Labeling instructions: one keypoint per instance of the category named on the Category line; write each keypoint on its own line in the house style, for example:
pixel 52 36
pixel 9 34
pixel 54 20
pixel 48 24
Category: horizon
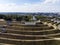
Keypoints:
pixel 29 12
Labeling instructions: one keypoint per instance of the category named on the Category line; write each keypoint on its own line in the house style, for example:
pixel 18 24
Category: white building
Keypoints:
pixel 34 19
pixel 2 20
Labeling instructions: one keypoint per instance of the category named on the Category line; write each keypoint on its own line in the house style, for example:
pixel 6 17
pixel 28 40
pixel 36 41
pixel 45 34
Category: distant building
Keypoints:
pixel 34 19
pixel 2 20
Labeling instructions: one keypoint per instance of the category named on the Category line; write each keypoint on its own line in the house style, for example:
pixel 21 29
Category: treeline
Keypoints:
pixel 20 17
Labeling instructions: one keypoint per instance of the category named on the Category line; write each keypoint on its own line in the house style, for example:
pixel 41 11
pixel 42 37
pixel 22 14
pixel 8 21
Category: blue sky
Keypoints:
pixel 29 5
pixel 20 1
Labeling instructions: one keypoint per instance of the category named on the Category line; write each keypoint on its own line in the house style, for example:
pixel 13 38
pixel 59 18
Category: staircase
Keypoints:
pixel 18 34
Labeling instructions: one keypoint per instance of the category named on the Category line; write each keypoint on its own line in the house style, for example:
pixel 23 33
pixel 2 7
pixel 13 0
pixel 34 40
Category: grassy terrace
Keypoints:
pixel 34 32
pixel 18 34
pixel 29 28
pixel 27 42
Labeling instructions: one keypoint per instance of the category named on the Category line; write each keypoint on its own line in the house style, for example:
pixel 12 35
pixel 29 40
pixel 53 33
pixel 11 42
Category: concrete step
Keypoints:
pixel 34 32
pixel 40 25
pixel 31 36
pixel 20 36
pixel 26 42
pixel 29 28
pixel 18 40
pixel 5 44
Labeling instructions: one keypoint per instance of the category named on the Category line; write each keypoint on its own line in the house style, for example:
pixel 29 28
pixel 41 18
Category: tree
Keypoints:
pixel 19 18
pixel 2 16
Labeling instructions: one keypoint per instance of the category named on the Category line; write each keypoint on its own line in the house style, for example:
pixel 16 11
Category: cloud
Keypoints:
pixel 45 6
pixel 51 1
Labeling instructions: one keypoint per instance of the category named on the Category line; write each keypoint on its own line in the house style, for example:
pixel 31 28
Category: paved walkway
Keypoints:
pixel 5 44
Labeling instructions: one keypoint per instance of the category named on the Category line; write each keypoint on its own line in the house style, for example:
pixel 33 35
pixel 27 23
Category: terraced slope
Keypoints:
pixel 28 34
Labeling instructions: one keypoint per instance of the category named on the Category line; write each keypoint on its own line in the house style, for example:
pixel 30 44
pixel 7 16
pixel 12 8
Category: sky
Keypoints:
pixel 29 5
